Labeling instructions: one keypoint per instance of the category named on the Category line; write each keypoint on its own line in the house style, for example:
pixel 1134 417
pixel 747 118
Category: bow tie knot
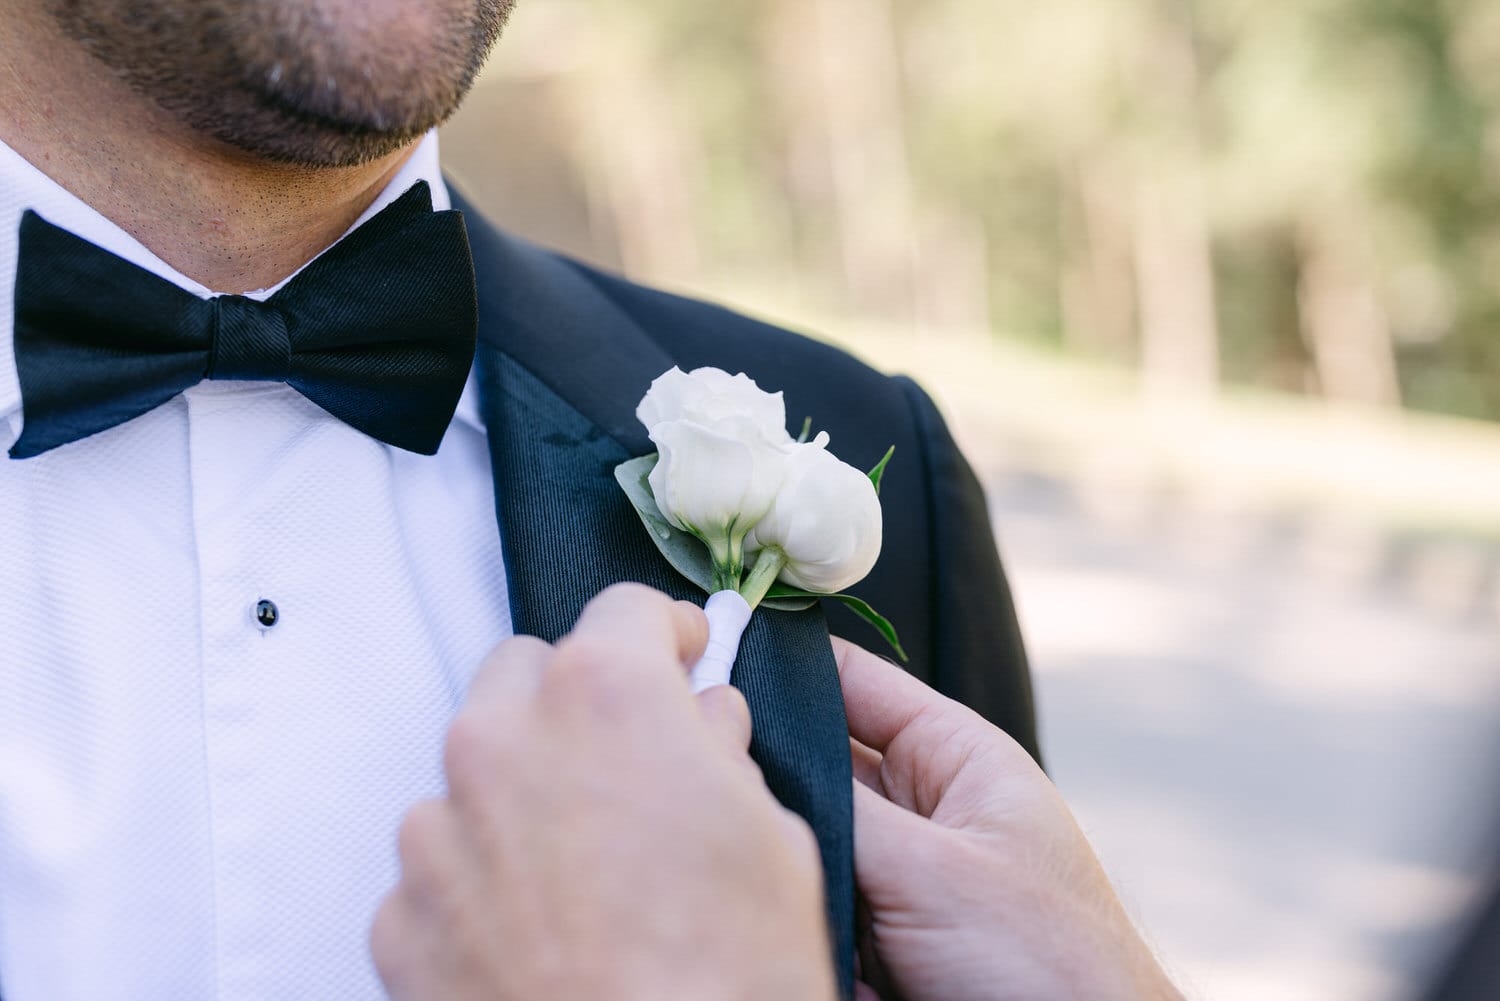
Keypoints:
pixel 249 341
pixel 378 331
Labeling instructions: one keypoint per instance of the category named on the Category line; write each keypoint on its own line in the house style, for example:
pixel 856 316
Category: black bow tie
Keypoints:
pixel 378 331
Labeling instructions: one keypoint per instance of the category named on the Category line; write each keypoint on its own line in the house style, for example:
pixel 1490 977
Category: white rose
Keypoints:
pixel 825 519
pixel 706 396
pixel 715 481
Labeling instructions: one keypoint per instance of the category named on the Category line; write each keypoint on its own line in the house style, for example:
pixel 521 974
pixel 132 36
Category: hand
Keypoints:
pixel 604 835
pixel 977 881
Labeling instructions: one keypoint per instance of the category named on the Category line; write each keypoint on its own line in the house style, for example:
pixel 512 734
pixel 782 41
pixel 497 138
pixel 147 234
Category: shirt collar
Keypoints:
pixel 23 186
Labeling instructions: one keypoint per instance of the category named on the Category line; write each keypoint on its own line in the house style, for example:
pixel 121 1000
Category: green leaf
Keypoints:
pixel 787 604
pixel 781 592
pixel 879 471
pixel 685 552
pixel 806 429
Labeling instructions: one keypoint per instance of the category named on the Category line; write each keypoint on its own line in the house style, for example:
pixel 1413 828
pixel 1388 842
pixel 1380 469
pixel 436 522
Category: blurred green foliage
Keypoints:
pixel 1296 194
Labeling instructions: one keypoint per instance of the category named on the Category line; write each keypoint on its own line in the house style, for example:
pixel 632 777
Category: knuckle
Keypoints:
pixel 728 708
pixel 501 654
pixel 752 771
pixel 524 647
pixel 802 837
pixel 472 749
pixel 630 602
pixel 633 592
pixel 582 654
pixel 590 667
pixel 512 656
pixel 516 647
pixel 419 839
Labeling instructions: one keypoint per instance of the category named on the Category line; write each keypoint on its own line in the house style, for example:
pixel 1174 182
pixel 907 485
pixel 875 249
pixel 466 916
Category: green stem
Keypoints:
pixel 768 567
pixel 725 579
pixel 728 556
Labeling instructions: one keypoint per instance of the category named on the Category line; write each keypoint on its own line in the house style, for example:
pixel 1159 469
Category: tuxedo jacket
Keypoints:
pixel 1473 971
pixel 565 352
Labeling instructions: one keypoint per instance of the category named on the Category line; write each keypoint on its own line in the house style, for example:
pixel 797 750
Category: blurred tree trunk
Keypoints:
pixel 643 160
pixel 838 79
pixel 1175 279
pixel 952 271
pixel 1343 321
pixel 1098 290
pixel 1173 244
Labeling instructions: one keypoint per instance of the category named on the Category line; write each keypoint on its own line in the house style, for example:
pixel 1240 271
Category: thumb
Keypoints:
pixel 891 846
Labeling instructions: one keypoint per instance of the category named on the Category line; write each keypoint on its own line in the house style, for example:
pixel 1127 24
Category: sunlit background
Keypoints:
pixel 1210 291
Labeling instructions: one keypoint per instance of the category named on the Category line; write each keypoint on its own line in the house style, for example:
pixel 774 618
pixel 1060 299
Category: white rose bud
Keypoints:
pixel 717 480
pixel 825 519
pixel 708 395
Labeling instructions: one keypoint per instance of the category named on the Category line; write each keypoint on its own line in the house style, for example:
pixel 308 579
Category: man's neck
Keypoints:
pixel 227 220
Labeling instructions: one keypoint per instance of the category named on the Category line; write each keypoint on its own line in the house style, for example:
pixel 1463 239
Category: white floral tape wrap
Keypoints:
pixel 728 615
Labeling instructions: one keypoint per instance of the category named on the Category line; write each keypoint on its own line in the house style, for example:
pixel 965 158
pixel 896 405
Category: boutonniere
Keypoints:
pixel 753 516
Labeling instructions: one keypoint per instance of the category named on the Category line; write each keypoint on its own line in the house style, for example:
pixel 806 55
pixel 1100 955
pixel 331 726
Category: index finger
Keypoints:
pixel 880 699
pixel 642 627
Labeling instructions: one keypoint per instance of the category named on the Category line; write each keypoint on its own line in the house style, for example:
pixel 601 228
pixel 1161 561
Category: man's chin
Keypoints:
pixel 322 149
pixel 277 131
pixel 307 82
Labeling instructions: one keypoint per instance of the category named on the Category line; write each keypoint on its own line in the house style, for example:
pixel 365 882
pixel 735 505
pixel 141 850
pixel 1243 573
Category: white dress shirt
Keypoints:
pixel 194 806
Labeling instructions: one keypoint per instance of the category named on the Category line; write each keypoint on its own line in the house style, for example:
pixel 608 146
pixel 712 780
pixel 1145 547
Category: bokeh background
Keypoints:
pixel 1210 291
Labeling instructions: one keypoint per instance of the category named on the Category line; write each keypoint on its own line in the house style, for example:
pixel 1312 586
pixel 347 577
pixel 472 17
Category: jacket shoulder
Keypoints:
pixel 524 280
pixel 697 333
pixel 589 332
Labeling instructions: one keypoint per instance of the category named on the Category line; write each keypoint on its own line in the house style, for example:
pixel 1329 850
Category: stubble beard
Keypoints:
pixel 319 83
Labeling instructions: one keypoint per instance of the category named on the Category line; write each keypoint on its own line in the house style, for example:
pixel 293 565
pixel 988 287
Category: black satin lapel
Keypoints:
pixel 568 533
pixel 801 742
pixel 567 530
